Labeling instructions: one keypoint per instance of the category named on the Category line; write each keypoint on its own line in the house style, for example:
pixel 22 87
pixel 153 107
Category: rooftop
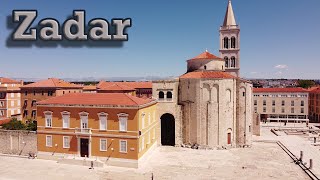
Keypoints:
pixel 103 85
pixel 52 83
pixel 120 99
pixel 207 75
pixel 4 80
pixel 273 90
pixel 206 55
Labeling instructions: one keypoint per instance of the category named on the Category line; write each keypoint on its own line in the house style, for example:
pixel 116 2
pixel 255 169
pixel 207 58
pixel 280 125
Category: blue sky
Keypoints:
pixel 279 39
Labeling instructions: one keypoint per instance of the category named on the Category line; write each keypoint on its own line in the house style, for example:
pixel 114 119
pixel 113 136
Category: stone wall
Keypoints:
pixel 18 142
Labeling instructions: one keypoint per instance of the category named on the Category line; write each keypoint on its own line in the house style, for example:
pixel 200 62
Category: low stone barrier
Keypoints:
pixel 18 142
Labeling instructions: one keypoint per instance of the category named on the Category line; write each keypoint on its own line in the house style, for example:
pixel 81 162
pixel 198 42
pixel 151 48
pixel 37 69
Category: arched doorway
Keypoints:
pixel 167 130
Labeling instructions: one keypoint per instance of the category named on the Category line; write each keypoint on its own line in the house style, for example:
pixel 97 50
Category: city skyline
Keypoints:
pixel 286 41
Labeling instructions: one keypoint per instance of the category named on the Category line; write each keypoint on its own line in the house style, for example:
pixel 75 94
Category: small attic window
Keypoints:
pixel 205 67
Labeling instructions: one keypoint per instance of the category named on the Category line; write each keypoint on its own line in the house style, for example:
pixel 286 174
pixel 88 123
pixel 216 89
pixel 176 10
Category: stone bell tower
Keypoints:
pixel 230 42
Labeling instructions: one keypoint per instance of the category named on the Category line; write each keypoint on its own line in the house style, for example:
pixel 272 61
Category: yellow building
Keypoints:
pixel 117 129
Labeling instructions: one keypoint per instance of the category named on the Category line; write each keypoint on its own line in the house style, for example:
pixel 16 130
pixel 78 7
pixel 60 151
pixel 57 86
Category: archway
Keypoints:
pixel 167 130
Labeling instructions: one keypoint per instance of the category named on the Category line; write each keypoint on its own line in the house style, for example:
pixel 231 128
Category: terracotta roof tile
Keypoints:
pixel 52 83
pixel 8 81
pixel 271 90
pixel 207 75
pixel 121 99
pixel 206 55
pixel 90 88
pixel 103 85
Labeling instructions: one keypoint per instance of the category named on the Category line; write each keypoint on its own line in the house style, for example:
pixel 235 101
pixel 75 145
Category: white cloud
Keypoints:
pixel 281 66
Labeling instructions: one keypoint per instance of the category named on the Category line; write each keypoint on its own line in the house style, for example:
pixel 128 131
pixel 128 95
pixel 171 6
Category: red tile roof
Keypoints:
pixel 52 83
pixel 206 55
pixel 120 99
pixel 8 81
pixel 271 90
pixel 103 85
pixel 90 87
pixel 4 120
pixel 207 75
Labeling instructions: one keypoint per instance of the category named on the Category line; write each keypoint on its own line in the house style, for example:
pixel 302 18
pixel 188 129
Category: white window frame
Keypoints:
pixel 103 117
pixel 120 146
pixel 12 95
pixel 64 115
pixel 48 115
pixel 47 144
pixel 66 139
pixel 106 144
pixel 84 119
pixel 123 118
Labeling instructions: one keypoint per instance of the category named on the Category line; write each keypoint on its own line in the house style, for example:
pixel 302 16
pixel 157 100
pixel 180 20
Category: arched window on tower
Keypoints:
pixel 226 59
pixel 161 95
pixel 233 42
pixel 233 61
pixel 169 95
pixel 226 42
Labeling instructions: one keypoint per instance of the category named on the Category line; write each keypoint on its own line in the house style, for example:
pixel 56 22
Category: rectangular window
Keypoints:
pixel 264 102
pixel 12 103
pixel 26 93
pixel 103 145
pixel 19 103
pixel 255 109
pixel 255 102
pixel 48 120
pixel 292 103
pixel 273 102
pixel 292 110
pixel 123 123
pixel 103 122
pixel 1 103
pixel 123 146
pixel 264 109
pixel 66 142
pixel 18 94
pixel 282 103
pixel 33 114
pixel 84 121
pixel 282 110
pixel 302 103
pixel 48 140
pixel 12 95
pixel 25 113
pixel 273 110
pixel 302 110
pixel 66 121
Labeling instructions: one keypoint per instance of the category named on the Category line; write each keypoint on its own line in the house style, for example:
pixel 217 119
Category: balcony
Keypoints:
pixel 83 131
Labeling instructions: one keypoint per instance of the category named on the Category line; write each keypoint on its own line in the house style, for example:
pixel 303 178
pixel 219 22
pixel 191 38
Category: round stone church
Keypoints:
pixel 209 105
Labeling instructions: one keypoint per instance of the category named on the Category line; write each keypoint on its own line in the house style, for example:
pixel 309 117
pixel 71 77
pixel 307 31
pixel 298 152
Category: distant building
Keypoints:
pixel 139 89
pixel 10 104
pixel 281 104
pixel 116 128
pixel 41 90
pixel 89 89
pixel 314 104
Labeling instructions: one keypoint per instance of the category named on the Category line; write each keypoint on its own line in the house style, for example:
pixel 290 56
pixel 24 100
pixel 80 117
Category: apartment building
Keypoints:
pixel 281 104
pixel 41 90
pixel 314 105
pixel 139 89
pixel 118 129
pixel 10 104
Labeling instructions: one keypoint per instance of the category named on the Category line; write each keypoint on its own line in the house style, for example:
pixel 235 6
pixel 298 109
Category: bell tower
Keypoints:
pixel 230 42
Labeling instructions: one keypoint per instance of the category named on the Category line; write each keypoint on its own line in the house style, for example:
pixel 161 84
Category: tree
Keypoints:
pixel 14 124
pixel 306 83
pixel 31 125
